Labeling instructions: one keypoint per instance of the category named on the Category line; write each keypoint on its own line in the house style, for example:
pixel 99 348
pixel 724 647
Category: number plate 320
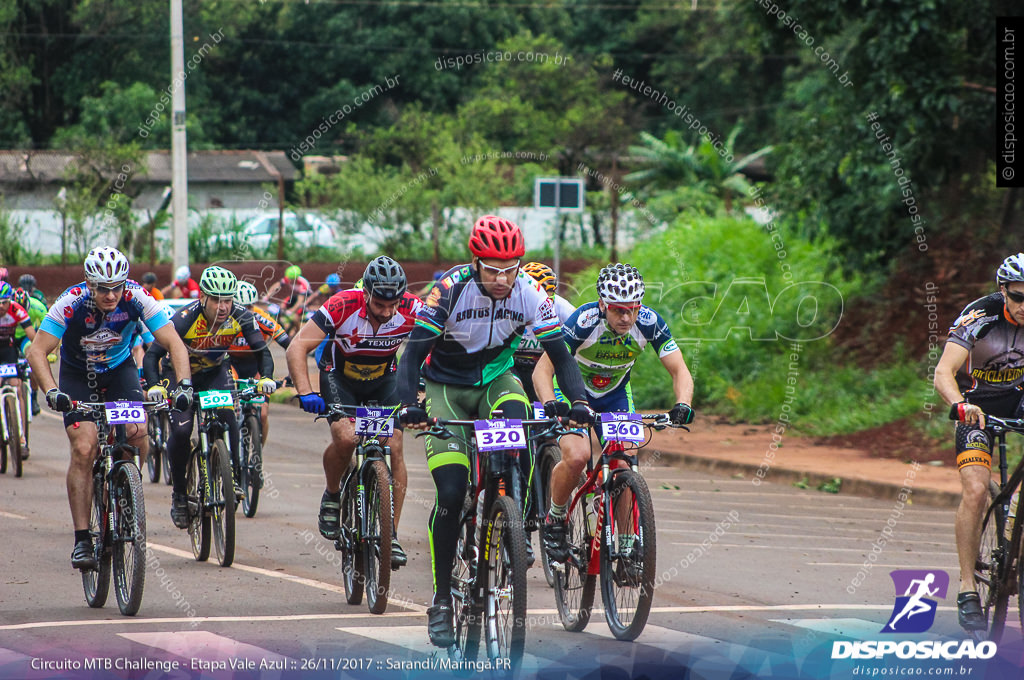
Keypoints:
pixel 499 435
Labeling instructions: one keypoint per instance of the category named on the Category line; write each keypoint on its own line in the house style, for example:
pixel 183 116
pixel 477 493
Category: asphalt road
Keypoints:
pixel 756 581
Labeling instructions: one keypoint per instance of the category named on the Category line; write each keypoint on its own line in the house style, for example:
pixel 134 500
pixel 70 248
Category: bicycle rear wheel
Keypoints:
pixel 14 433
pixel 153 465
pixel 222 504
pixel 377 551
pixel 252 464
pixel 97 583
pixel 165 458
pixel 129 539
pixel 547 459
pixel 351 544
pixel 574 587
pixel 504 564
pixel 466 609
pixel 198 518
pixel 627 579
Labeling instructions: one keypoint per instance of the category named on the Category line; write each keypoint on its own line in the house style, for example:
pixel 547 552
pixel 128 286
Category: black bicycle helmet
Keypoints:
pixel 384 279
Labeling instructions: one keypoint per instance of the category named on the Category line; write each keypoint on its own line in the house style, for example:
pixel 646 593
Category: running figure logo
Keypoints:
pixel 914 612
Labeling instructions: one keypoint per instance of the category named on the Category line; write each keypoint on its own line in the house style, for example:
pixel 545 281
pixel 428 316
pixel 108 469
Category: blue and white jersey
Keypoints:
pixel 93 341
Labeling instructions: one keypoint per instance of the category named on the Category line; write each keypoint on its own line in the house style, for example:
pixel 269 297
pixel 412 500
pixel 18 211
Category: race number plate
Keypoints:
pixel 374 422
pixel 622 427
pixel 499 435
pixel 8 370
pixel 124 412
pixel 215 399
pixel 538 410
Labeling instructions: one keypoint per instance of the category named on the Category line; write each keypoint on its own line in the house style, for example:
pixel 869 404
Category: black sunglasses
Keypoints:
pixel 1016 297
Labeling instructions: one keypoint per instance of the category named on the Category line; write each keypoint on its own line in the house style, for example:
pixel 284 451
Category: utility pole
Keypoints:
pixel 179 147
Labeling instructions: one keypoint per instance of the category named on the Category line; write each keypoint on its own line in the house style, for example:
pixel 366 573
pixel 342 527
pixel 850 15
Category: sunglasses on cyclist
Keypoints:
pixel 105 290
pixel 1016 297
pixel 498 271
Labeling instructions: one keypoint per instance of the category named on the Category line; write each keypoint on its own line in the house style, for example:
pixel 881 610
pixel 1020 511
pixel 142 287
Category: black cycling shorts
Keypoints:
pixel 973 444
pixel 335 388
pixel 118 384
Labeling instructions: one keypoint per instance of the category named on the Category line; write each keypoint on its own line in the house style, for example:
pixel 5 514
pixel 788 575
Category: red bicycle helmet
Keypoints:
pixel 497 238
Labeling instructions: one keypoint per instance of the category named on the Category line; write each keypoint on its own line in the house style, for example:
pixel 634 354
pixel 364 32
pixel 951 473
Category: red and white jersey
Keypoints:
pixel 14 317
pixel 353 346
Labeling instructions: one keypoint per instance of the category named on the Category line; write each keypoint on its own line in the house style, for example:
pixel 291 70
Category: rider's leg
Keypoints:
pixel 84 445
pixel 973 502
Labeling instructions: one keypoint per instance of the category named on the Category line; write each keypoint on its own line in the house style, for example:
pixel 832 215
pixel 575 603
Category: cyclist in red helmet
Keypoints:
pixel 472 320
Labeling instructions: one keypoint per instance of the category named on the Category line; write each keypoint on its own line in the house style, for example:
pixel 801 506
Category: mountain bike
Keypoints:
pixel 249 470
pixel 11 416
pixel 208 481
pixel 611 532
pixel 367 506
pixel 118 519
pixel 489 572
pixel 999 569
pixel 159 459
pixel 544 456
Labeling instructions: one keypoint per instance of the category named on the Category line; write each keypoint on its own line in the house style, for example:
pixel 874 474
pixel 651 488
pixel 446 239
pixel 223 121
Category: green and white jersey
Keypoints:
pixel 37 312
pixel 605 358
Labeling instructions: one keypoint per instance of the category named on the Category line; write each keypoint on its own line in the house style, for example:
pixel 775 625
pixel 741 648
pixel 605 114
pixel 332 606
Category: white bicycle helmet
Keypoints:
pixel 106 266
pixel 182 274
pixel 1012 269
pixel 246 294
pixel 620 284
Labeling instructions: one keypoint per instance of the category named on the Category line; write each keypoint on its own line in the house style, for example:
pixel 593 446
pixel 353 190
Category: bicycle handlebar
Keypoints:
pixel 89 406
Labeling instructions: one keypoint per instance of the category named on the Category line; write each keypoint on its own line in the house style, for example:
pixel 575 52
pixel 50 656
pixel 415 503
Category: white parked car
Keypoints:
pixel 261 231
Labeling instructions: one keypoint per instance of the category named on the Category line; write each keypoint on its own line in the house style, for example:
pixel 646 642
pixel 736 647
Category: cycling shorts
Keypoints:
pixel 335 388
pixel 469 402
pixel 973 444
pixel 116 384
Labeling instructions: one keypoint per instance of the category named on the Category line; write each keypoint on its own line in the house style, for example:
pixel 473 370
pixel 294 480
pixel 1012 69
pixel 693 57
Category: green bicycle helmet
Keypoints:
pixel 293 272
pixel 246 294
pixel 218 282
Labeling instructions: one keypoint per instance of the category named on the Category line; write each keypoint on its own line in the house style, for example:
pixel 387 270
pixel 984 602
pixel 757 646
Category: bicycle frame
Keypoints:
pixel 24 417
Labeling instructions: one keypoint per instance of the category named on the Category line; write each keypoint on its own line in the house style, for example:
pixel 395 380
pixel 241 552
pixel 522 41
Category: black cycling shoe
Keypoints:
pixel 83 556
pixel 329 519
pixel 179 510
pixel 439 625
pixel 969 611
pixel 555 543
pixel 398 556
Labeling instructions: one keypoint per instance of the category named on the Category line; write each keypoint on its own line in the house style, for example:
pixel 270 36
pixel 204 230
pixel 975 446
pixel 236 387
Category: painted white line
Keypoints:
pixel 415 640
pixel 126 621
pixel 832 520
pixel 882 511
pixel 11 515
pixel 201 644
pixel 771 535
pixel 805 548
pixel 794 525
pixel 9 656
pixel 948 567
pixel 299 580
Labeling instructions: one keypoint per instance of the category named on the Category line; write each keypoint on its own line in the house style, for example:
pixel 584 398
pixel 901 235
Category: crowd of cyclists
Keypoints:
pixel 486 336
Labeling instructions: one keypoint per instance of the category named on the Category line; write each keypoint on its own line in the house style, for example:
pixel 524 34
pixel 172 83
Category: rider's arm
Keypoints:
pixel 254 337
pixel 569 379
pixel 543 379
pixel 43 344
pixel 953 357
pixel 299 348
pixel 416 350
pixel 166 336
pixel 682 381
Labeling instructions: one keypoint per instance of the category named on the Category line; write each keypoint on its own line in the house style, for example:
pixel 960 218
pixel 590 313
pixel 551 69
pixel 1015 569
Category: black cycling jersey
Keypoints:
pixel 995 365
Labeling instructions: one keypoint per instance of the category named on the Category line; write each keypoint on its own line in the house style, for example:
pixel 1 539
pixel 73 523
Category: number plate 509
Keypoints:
pixel 499 435
pixel 215 399
pixel 622 427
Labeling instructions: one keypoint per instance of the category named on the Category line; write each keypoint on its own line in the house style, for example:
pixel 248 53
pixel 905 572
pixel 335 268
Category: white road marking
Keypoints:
pixel 10 657
pixel 415 640
pixel 949 567
pixel 405 603
pixel 750 534
pixel 201 644
pixel 805 548
pixel 858 629
pixel 11 515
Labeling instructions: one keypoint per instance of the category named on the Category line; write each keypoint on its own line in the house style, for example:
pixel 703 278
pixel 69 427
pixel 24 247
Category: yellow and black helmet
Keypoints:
pixel 543 275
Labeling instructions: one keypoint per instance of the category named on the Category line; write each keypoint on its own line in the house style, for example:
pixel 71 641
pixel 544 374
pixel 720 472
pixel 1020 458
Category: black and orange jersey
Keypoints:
pixel 995 365
pixel 208 345
pixel 270 329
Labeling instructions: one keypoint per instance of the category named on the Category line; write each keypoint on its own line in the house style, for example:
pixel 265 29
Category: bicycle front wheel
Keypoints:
pixel 222 503
pixel 153 459
pixel 129 539
pixel 989 566
pixel 198 518
pixel 377 550
pixel 351 543
pixel 165 457
pixel 97 583
pixel 466 608
pixel 504 564
pixel 627 575
pixel 574 587
pixel 548 458
pixel 252 465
